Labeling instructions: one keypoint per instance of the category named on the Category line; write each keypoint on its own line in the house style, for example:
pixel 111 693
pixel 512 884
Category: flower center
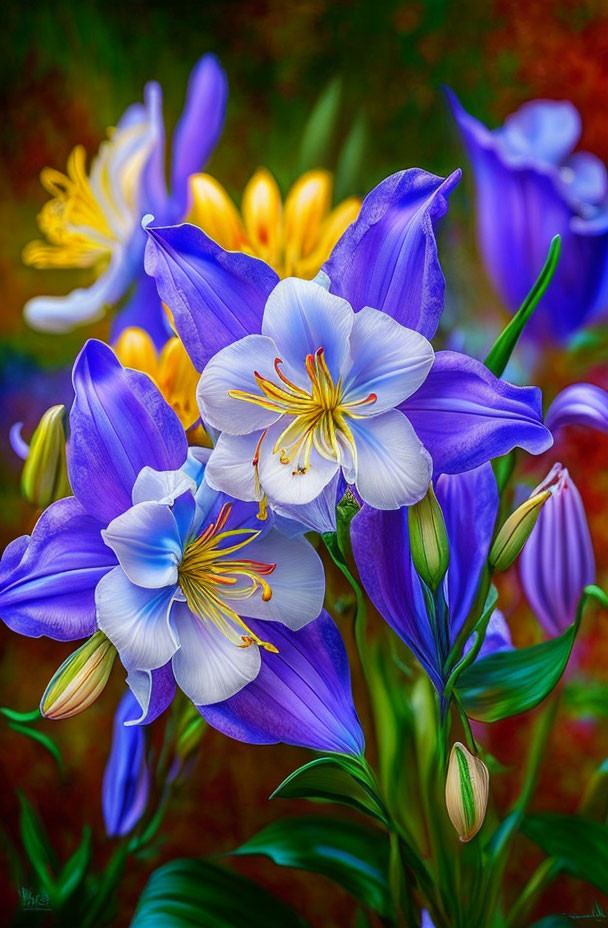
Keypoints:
pixel 209 573
pixel 318 417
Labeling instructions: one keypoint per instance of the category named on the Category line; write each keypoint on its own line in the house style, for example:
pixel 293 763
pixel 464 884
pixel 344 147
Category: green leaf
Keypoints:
pixel 334 779
pixel 508 682
pixel 352 855
pixel 23 717
pixel 350 159
pixel 503 347
pixel 37 845
pixel 75 869
pixel 320 127
pixel 185 893
pixel 42 739
pixel 580 846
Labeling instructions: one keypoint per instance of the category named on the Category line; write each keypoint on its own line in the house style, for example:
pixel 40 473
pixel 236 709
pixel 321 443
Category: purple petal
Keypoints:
pixel 557 561
pixel 469 503
pixel 144 310
pixel 126 780
pixel 542 130
pixel 216 296
pixel 48 580
pixel 199 127
pixel 301 696
pixel 154 691
pixel 119 423
pixel 465 416
pixel 498 637
pixel 381 547
pixel 579 404
pixel 521 205
pixel 387 259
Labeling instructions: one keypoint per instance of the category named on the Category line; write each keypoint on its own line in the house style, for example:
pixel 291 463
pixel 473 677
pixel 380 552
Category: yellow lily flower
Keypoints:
pixel 294 238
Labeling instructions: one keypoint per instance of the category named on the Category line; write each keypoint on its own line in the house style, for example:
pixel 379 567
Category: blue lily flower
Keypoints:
pixel 530 186
pixel 126 779
pixel 182 579
pixel 94 220
pixel 381 548
pixel 460 414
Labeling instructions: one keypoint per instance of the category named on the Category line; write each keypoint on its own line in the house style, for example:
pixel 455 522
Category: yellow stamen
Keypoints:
pixel 208 573
pixel 318 417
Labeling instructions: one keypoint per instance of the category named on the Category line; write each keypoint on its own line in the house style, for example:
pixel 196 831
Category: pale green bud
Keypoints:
pixel 428 540
pixel 80 680
pixel 516 530
pixel 45 474
pixel 466 791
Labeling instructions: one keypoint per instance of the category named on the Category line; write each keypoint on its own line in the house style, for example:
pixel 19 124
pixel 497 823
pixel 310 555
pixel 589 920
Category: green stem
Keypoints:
pixel 542 877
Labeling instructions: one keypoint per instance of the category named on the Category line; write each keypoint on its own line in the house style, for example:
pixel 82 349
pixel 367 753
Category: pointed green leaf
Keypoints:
pixel 350 159
pixel 320 127
pixel 352 855
pixel 579 845
pixel 335 779
pixel 23 717
pixel 42 739
pixel 37 845
pixel 508 682
pixel 75 869
pixel 186 893
pixel 503 347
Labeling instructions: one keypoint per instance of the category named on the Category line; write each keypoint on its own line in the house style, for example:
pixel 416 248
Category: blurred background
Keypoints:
pixel 68 70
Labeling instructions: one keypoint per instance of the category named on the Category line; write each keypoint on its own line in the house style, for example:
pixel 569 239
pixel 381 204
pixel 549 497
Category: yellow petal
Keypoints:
pixel 135 349
pixel 262 210
pixel 331 230
pixel 215 213
pixel 178 380
pixel 306 207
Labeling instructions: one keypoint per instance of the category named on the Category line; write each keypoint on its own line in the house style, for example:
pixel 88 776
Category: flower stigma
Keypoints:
pixel 208 573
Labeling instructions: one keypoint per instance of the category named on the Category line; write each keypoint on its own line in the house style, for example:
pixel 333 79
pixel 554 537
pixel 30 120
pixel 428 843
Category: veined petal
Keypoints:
pixel 301 317
pixel 393 468
pixel 216 296
pixel 143 310
pixel 147 542
pixel 154 691
pixel 119 423
pixel 230 468
pixel 302 695
pixel 163 486
pixel 579 404
pixel 464 415
pixel 306 206
pixel 469 503
pixel 389 361
pixel 136 620
pixel 199 127
pixel 297 582
pixel 48 580
pixel 126 780
pixel 262 212
pixel 543 130
pixel 234 368
pixel 388 257
pixel 318 516
pixel 208 667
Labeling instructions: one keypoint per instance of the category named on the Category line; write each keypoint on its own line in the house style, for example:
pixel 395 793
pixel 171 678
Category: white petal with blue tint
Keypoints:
pixel 230 468
pixel 162 486
pixel 208 667
pixel 393 467
pixel 388 360
pixel 136 620
pixel 234 368
pixel 297 582
pixel 290 483
pixel 146 540
pixel 300 316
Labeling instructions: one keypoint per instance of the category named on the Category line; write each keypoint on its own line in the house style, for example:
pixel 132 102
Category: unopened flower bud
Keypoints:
pixel 45 474
pixel 557 562
pixel 80 680
pixel 466 791
pixel 126 779
pixel 428 540
pixel 516 530
pixel 135 349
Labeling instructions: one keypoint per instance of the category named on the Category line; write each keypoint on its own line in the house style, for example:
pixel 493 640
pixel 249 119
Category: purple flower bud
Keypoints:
pixel 126 780
pixel 579 404
pixel 557 560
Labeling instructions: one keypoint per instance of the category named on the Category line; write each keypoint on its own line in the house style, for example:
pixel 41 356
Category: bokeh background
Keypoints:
pixel 68 70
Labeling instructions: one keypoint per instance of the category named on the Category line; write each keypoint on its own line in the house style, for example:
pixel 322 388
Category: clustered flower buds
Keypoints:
pixel 466 791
